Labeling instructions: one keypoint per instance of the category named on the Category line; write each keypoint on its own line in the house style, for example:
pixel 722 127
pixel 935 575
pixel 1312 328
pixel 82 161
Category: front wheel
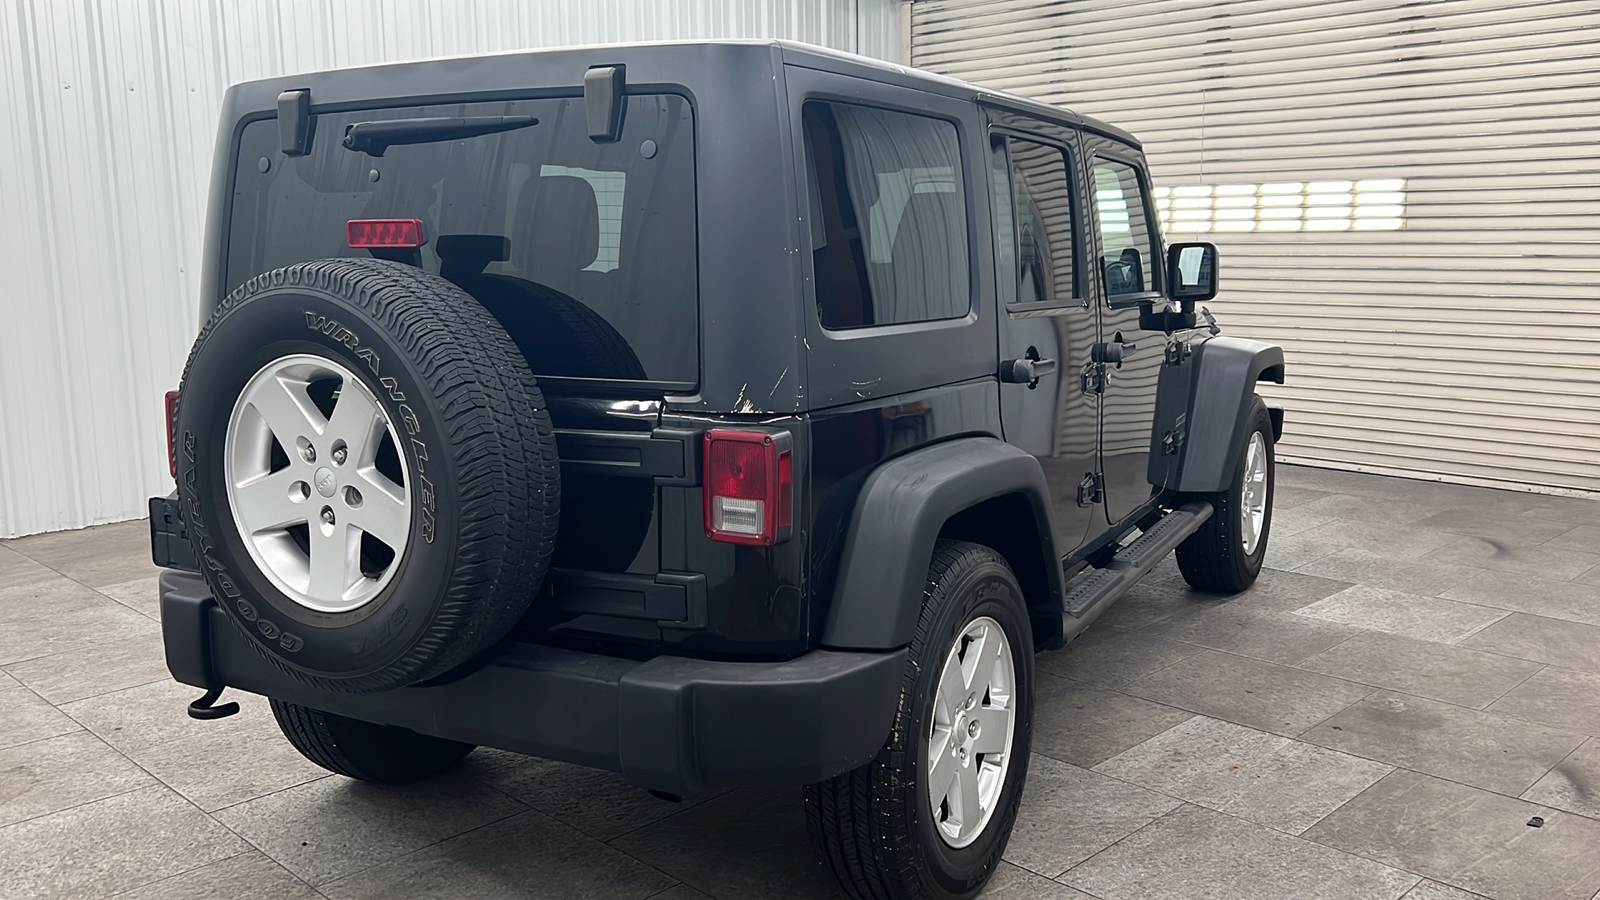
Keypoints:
pixel 930 816
pixel 1225 555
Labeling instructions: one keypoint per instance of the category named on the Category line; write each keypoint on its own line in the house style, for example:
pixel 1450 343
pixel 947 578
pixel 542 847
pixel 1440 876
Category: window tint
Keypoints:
pixel 1125 231
pixel 1044 223
pixel 583 249
pixel 888 216
pixel 1005 229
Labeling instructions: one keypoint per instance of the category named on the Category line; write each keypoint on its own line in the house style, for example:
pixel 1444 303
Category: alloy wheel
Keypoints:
pixel 974 721
pixel 317 485
pixel 1253 497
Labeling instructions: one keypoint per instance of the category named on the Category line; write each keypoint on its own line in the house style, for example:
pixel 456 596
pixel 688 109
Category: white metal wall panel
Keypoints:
pixel 107 122
pixel 1462 345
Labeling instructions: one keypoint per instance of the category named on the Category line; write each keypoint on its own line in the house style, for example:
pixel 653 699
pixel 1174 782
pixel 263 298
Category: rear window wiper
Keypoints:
pixel 373 138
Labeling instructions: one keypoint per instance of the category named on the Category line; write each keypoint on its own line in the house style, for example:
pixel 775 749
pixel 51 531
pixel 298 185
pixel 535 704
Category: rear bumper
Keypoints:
pixel 671 724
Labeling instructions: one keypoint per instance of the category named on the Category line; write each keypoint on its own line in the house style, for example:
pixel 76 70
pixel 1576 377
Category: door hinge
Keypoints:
pixel 1177 352
pixel 1092 489
pixel 1172 441
pixel 1094 378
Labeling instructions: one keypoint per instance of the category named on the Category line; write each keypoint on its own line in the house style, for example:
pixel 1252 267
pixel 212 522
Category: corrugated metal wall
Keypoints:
pixel 1407 197
pixel 106 127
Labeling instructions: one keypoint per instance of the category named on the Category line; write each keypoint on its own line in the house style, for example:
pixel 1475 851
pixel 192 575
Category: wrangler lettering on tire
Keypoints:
pixel 345 422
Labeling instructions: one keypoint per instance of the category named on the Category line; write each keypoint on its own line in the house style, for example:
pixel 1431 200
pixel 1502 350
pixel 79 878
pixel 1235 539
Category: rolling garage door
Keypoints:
pixel 1406 196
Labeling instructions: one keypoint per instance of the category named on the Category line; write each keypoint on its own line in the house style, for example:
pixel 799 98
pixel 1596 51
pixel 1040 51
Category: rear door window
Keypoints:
pixel 888 216
pixel 594 243
pixel 1045 224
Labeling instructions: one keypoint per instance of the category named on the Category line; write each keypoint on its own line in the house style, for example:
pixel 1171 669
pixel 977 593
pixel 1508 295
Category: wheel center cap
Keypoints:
pixel 960 729
pixel 326 481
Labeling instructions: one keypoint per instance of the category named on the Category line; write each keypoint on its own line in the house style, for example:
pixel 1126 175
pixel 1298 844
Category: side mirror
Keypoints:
pixel 1191 273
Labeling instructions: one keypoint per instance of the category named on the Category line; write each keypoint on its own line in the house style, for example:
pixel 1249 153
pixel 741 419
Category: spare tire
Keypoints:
pixel 367 471
pixel 570 339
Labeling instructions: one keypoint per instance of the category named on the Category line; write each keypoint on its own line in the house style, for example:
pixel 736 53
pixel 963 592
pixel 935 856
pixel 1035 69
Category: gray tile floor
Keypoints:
pixel 1413 680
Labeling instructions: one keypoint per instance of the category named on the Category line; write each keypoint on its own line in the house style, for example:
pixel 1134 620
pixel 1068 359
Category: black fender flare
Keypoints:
pixel 902 505
pixel 1221 387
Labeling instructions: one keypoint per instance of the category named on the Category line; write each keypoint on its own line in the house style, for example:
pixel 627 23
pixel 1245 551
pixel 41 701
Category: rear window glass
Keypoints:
pixel 598 276
pixel 888 216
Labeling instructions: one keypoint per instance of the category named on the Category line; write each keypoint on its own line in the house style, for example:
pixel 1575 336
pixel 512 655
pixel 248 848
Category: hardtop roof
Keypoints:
pixel 791 52
pixel 796 52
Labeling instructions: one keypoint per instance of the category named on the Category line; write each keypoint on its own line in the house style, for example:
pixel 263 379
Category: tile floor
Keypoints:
pixel 1413 680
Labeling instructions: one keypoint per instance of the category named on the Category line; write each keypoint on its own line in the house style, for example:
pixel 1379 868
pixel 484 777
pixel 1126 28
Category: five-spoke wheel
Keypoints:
pixel 318 490
pixel 969 742
pixel 1253 498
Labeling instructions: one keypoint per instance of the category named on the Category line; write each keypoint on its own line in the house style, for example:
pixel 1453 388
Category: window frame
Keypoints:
pixel 1157 267
pixel 1081 297
pixel 963 167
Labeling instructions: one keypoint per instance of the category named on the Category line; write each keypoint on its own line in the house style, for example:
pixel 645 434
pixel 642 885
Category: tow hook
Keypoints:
pixel 203 708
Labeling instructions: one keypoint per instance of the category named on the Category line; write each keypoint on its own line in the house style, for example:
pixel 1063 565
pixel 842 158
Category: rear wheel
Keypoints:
pixel 379 753
pixel 930 816
pixel 1225 555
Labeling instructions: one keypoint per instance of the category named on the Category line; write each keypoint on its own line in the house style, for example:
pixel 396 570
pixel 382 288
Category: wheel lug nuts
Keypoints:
pixel 340 455
pixel 972 700
pixel 327 515
pixel 308 453
pixel 972 729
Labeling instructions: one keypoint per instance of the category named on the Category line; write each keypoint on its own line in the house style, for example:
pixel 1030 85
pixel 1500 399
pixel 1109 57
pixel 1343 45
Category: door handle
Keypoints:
pixel 1106 353
pixel 1026 371
pixel 1113 351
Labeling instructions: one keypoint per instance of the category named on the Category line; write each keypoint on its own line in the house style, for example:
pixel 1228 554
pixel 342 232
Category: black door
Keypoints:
pixel 1046 315
pixel 1127 274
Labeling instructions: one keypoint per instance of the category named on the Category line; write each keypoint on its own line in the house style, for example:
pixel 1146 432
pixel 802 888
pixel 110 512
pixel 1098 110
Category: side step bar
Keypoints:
pixel 1102 585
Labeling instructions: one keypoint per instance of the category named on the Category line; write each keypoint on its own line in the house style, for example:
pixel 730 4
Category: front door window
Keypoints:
pixel 1126 236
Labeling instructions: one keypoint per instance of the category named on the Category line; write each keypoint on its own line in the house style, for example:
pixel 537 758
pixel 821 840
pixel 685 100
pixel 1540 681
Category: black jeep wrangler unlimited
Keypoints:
pixel 710 413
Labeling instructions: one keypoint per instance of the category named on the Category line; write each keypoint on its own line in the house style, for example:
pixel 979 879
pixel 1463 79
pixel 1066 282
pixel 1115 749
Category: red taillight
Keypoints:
pixel 749 486
pixel 172 433
pixel 372 233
